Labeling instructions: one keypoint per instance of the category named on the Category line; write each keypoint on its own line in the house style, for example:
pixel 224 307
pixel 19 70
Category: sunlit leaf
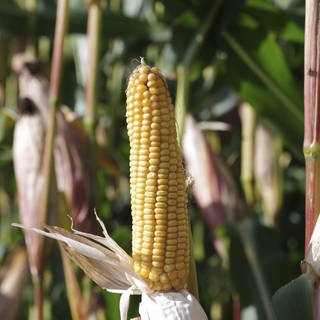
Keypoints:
pixel 278 69
pixel 292 32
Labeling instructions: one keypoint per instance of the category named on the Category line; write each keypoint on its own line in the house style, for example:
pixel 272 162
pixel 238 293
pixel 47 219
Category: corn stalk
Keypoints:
pixel 311 145
pixel 3 67
pixel 248 122
pixel 93 32
pixel 60 31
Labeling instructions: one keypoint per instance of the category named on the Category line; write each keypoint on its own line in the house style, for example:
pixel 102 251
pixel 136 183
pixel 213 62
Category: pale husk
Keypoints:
pixel 71 150
pixel 28 147
pixel 170 306
pixel 313 256
pixel 313 267
pixel 107 264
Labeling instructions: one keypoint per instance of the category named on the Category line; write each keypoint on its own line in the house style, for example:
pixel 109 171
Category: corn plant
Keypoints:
pixel 244 185
pixel 160 236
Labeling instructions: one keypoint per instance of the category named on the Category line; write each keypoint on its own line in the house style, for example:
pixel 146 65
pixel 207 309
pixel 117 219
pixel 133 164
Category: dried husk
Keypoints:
pixel 267 172
pixel 313 266
pixel 111 268
pixel 28 146
pixel 72 149
pixel 248 119
pixel 72 175
pixel 212 186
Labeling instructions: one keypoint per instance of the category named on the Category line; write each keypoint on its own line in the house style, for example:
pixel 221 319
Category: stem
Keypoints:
pixel 255 68
pixel 183 82
pixel 312 191
pixel 183 85
pixel 59 35
pixel 60 31
pixel 38 299
pixel 94 31
pixel 312 117
pixel 251 255
pixel 31 6
pixel 48 169
pixel 3 67
pixel 77 307
pixel 200 35
pixel 236 307
pixel 114 85
pixel 248 124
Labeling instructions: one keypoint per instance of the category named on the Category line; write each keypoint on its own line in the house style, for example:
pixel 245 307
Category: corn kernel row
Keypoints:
pixel 160 235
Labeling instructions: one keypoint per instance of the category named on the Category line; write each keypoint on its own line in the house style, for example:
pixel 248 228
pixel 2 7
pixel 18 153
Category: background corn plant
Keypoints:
pixel 235 70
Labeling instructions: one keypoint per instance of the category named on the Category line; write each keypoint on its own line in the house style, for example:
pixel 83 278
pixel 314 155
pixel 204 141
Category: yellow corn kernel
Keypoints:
pixel 157 183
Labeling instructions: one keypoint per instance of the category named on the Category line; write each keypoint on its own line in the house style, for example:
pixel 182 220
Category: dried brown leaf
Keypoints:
pixel 73 168
pixel 100 258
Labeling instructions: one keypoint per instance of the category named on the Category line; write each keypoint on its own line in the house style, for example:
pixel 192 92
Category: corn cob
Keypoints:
pixel 160 234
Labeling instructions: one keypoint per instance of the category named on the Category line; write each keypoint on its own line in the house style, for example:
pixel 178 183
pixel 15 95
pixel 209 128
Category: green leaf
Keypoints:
pixel 112 305
pixel 278 69
pixel 122 235
pixel 294 300
pixel 5 157
pixel 187 19
pixel 17 21
pixel 292 32
pixel 270 18
pixel 264 79
pixel 264 5
pixel 2 126
pixel 254 248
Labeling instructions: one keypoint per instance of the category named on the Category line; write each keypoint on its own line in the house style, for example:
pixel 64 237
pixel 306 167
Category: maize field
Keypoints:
pixel 171 148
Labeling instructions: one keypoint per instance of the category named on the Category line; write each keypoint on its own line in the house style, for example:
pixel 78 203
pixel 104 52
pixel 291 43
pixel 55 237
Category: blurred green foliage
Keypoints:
pixel 253 52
